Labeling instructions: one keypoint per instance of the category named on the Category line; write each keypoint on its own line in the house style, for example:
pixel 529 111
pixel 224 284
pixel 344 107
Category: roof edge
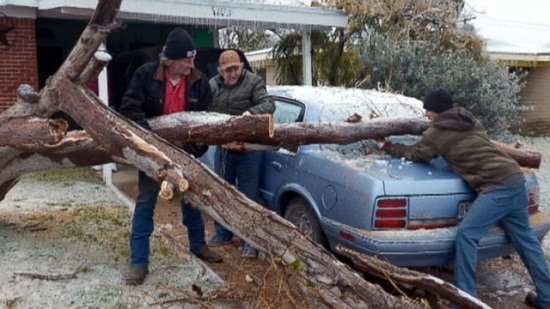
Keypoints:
pixel 214 13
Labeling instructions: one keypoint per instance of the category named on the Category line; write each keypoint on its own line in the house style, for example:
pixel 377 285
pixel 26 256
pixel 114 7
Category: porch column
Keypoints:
pixel 306 58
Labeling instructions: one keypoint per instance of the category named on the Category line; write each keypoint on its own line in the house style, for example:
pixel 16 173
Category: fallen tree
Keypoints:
pixel 327 282
pixel 337 284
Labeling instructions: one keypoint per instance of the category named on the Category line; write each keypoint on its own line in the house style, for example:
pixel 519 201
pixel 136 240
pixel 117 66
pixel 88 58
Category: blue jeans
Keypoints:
pixel 143 222
pixel 508 207
pixel 243 170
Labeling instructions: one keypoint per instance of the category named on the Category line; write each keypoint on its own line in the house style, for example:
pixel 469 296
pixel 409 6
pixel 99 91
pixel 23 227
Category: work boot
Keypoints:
pixel 207 255
pixel 136 274
pixel 532 300
pixel 250 253
pixel 218 240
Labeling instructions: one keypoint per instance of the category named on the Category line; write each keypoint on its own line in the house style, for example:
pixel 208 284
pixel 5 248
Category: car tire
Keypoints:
pixel 300 214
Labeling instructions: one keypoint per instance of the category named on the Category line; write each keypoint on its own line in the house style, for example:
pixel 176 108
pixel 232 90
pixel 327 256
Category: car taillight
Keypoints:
pixel 391 213
pixel 533 206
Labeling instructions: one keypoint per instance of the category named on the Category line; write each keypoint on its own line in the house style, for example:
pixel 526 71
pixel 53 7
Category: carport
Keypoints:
pixel 59 23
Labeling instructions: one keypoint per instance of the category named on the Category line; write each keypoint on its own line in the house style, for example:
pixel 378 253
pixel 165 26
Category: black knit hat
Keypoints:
pixel 179 45
pixel 438 101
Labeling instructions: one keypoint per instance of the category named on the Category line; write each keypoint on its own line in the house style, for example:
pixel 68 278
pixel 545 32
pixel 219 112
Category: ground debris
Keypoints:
pixel 51 277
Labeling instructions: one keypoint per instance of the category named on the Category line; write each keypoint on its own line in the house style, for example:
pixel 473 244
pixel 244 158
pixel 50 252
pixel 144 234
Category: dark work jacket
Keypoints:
pixel 461 140
pixel 145 97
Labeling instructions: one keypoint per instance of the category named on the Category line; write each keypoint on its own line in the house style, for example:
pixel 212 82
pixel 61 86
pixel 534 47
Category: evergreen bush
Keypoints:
pixel 415 68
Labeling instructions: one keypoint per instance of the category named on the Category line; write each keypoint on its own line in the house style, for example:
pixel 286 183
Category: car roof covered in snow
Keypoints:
pixel 380 104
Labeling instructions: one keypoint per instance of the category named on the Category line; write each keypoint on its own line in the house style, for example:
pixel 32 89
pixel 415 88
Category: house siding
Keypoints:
pixel 537 94
pixel 18 64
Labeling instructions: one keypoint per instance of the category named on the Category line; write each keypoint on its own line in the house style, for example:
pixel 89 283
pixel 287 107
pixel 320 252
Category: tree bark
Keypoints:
pixel 210 128
pixel 24 133
pixel 525 158
pixel 404 276
pixel 215 129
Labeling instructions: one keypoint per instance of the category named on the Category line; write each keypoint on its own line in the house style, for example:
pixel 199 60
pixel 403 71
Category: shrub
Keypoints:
pixel 488 90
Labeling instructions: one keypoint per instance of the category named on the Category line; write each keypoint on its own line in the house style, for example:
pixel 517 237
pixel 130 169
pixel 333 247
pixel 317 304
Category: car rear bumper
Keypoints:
pixel 414 248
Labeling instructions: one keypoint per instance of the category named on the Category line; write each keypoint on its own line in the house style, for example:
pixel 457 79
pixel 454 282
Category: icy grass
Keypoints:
pixel 68 223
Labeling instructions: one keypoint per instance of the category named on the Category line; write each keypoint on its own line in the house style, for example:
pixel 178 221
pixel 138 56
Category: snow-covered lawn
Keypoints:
pixel 64 244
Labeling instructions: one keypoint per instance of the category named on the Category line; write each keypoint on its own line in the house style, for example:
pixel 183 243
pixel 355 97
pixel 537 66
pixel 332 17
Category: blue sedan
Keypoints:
pixel 353 195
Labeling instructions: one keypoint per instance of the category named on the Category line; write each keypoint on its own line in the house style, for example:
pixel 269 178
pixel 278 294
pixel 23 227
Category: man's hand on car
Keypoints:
pixel 386 146
pixel 382 144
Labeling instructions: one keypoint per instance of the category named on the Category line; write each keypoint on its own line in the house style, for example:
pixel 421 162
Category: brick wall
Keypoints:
pixel 537 94
pixel 18 62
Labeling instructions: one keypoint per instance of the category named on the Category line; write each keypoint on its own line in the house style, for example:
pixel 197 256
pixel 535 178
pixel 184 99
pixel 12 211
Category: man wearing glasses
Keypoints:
pixel 237 91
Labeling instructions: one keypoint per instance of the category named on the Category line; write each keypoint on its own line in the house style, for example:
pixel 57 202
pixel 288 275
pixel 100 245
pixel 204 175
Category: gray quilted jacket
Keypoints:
pixel 248 94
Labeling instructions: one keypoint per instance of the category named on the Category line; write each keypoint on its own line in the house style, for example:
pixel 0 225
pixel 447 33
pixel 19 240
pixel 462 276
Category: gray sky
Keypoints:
pixel 508 26
pixel 513 26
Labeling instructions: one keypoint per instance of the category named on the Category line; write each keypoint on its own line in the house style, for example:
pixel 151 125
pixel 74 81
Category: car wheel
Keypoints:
pixel 301 215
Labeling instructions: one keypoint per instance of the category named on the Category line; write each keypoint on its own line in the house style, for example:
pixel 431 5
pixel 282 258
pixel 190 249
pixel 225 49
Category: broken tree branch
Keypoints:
pixel 215 129
pixel 401 276
pixel 50 277
pixel 24 133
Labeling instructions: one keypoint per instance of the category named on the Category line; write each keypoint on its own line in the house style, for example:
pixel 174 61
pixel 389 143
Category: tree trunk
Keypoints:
pixel 210 128
pixel 339 285
pixel 216 129
pixel 43 136
pixel 404 276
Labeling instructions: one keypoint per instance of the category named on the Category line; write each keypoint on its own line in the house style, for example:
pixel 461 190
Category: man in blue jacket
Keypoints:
pixel 168 85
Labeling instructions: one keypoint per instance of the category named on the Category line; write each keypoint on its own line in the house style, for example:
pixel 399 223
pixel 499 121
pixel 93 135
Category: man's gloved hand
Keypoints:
pixel 383 145
pixel 197 150
pixel 386 146
pixel 234 146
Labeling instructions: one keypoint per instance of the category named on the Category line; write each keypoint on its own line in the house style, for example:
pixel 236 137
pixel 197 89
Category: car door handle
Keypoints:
pixel 276 165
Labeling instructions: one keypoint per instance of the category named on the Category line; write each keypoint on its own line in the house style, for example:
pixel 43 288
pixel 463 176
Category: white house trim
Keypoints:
pixel 216 13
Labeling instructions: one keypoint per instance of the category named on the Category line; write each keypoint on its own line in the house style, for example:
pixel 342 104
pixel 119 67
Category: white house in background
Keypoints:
pixel 517 34
pixel 263 65
pixel 39 34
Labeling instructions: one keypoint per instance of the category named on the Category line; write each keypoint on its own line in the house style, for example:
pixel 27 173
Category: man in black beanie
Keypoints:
pixel 168 85
pixel 438 101
pixel 457 136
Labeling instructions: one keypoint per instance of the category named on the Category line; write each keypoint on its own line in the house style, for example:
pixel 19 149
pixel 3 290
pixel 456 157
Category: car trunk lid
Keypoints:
pixel 402 177
pixel 431 195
